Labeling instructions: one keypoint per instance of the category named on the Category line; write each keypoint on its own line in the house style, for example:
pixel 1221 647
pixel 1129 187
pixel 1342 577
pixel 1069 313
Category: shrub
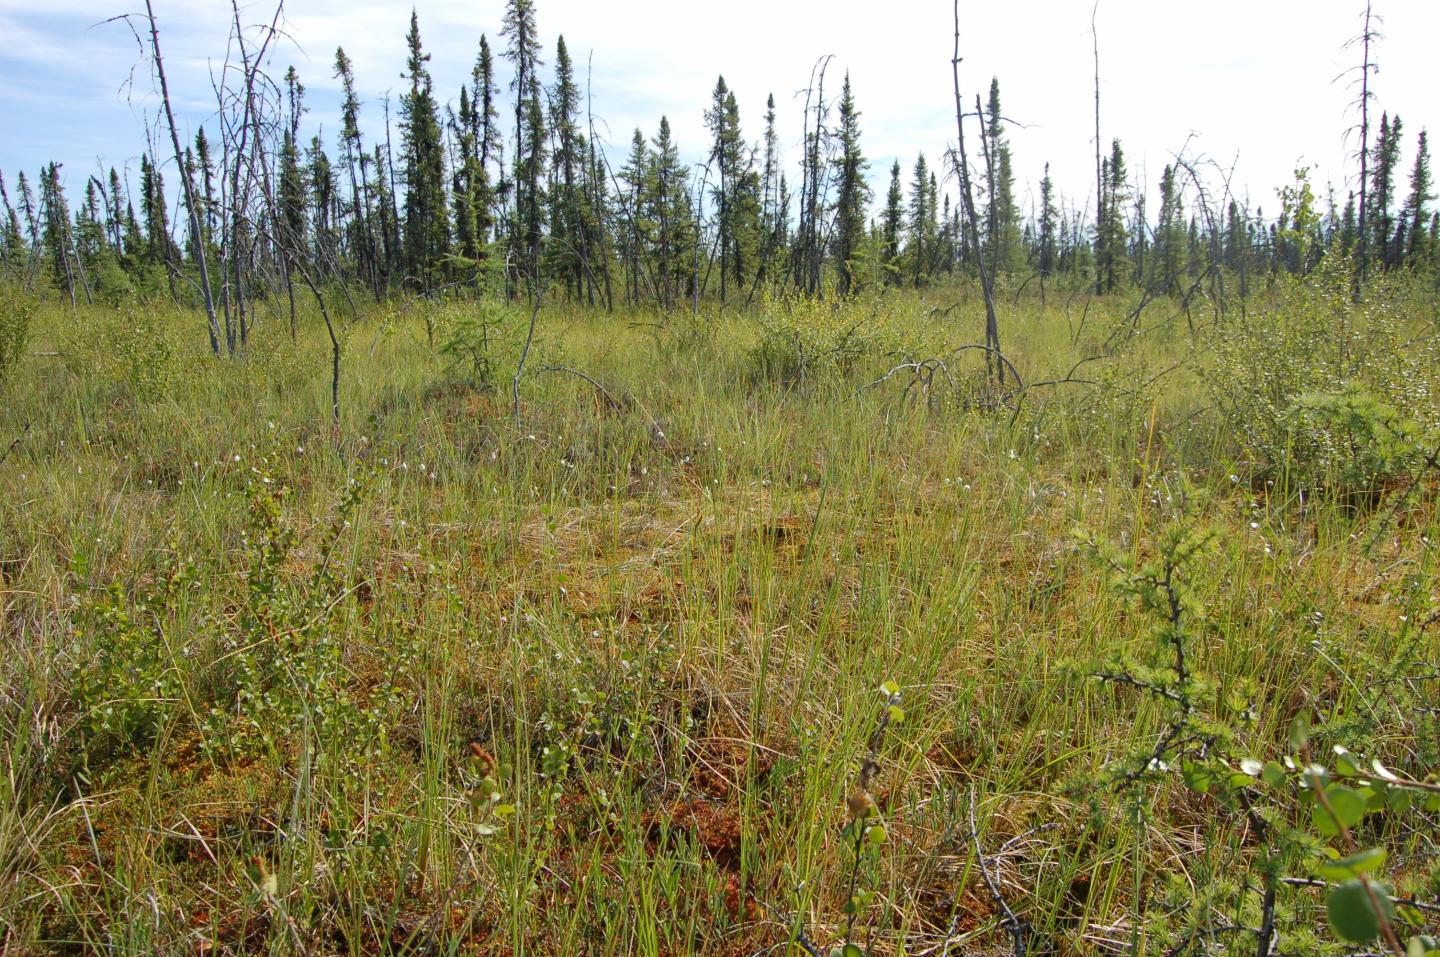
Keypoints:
pixel 1317 340
pixel 16 314
pixel 475 339
pixel 1355 438
pixel 129 348
pixel 127 680
pixel 803 339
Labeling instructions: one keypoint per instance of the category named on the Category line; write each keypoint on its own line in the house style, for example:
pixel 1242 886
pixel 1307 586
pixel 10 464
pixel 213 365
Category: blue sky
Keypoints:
pixel 1252 83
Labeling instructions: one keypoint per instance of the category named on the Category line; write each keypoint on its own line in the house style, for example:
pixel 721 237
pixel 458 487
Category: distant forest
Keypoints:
pixel 505 189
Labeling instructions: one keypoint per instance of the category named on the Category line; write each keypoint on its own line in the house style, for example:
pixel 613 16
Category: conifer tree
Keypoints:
pixel 532 172
pixel 673 222
pixel 1111 234
pixel 356 162
pixel 892 223
pixel 91 245
pixel 478 137
pixel 771 215
pixel 524 53
pixel 291 199
pixel 427 227
pixel 852 194
pixel 486 115
pixel 1002 229
pixel 57 239
pixel 932 212
pixel 948 256
pixel 1046 253
pixel 12 239
pixel 1383 164
pixel 25 201
pixel 1169 258
pixel 922 223
pixel 1417 216
pixel 115 213
pixel 782 219
pixel 324 202
pixel 159 244
pixel 727 157
pixel 568 226
pixel 205 167
pixel 135 244
pixel 463 174
pixel 388 223
pixel 635 205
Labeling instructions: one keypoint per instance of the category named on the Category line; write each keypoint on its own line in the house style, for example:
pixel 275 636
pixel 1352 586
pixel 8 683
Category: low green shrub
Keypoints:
pixel 1380 355
pixel 807 339
pixel 16 314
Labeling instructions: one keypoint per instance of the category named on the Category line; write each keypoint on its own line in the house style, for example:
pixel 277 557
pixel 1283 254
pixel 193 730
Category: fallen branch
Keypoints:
pixel 16 444
pixel 614 403
pixel 1011 922
pixel 1419 905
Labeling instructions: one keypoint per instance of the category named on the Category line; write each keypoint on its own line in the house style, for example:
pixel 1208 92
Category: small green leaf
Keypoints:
pixel 1299 733
pixel 1365 862
pixel 1274 773
pixel 876 835
pixel 1352 916
pixel 1348 808
pixel 897 714
pixel 1422 946
pixel 889 689
pixel 852 950
pixel 1345 764
pixel 1197 777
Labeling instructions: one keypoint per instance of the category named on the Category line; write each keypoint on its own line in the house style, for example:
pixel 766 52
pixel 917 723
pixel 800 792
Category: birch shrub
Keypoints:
pixel 16 314
pixel 1326 390
pixel 804 339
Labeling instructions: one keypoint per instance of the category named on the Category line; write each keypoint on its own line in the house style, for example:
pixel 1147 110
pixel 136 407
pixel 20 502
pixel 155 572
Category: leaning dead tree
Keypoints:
pixel 807 254
pixel 186 186
pixel 967 196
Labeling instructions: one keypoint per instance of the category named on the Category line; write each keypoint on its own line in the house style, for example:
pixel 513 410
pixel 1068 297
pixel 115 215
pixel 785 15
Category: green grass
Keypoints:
pixel 666 614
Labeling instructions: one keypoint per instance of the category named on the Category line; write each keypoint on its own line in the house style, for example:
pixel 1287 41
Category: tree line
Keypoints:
pixel 501 191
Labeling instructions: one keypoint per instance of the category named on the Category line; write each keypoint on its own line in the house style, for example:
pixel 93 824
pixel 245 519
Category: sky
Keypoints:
pixel 1260 85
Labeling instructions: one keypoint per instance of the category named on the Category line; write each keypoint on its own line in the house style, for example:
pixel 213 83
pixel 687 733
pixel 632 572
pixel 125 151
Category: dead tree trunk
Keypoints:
pixel 967 196
pixel 186 185
pixel 1099 163
pixel 1363 262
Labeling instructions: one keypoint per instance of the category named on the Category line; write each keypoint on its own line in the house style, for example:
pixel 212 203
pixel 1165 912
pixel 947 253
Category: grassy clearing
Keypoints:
pixel 602 682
